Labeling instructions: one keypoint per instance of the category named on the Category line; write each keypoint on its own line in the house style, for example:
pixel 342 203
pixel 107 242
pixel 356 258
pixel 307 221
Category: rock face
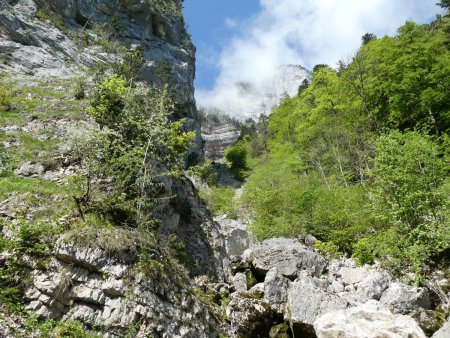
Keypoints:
pixel 108 293
pixel 57 38
pixel 217 138
pixel 367 320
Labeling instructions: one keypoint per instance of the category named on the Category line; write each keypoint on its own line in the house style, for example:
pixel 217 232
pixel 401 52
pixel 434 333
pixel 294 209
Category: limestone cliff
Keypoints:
pixel 217 138
pixel 43 46
pixel 60 38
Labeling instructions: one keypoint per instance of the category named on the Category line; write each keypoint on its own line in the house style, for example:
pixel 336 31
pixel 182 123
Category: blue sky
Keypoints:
pixel 248 40
pixel 210 24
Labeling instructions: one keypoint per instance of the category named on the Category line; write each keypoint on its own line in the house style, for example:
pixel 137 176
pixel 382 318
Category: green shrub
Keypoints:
pixel 205 172
pixel 3 160
pixel 409 173
pixel 125 158
pixel 80 89
pixel 46 13
pixel 237 156
pixel 50 328
pixel 220 200
pixel 6 97
pixel 328 249
pixel 363 252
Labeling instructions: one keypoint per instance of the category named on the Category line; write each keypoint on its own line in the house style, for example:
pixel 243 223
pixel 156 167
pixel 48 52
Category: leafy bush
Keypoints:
pixel 363 252
pixel 51 328
pixel 408 174
pixel 6 97
pixel 3 160
pixel 237 156
pixel 128 154
pixel 220 200
pixel 328 249
pixel 80 90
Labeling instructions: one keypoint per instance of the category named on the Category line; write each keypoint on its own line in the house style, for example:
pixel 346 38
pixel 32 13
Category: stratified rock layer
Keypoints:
pixel 108 292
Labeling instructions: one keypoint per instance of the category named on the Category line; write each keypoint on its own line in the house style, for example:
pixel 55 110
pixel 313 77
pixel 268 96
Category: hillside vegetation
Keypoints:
pixel 360 158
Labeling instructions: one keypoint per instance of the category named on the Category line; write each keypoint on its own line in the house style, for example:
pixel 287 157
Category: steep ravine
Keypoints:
pixel 222 285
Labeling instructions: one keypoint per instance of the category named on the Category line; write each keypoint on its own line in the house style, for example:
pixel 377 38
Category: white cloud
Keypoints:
pixel 305 32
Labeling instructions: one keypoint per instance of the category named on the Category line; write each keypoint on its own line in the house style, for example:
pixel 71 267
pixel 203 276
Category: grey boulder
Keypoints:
pixel 288 255
pixel 305 303
pixel 401 298
pixel 369 320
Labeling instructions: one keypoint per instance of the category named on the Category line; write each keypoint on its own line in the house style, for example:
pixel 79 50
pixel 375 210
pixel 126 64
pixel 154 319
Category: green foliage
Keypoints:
pixel 363 252
pixel 328 249
pixel 220 200
pixel 3 160
pixel 205 172
pixel 108 103
pixel 46 13
pixel 444 4
pixel 53 329
pixel 409 170
pixel 366 38
pixel 80 89
pixel 342 163
pixel 401 81
pixel 131 66
pixel 172 7
pixel 134 147
pixel 6 97
pixel 237 156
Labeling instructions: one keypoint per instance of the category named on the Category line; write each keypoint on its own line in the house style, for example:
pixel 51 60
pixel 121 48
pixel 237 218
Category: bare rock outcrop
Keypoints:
pixel 108 292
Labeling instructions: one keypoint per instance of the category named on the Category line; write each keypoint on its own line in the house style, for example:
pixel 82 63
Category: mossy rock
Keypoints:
pixel 251 280
pixel 279 331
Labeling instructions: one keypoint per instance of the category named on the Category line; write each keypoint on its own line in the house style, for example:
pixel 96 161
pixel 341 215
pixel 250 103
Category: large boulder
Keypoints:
pixel 352 275
pixel 237 238
pixel 305 303
pixel 401 298
pixel 369 320
pixel 289 255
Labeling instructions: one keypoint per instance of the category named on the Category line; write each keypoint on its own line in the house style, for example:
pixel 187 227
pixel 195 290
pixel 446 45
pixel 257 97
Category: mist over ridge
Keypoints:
pixel 304 33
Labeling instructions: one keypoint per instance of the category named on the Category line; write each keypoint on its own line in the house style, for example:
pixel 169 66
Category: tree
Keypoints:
pixel 318 66
pixel 444 4
pixel 409 172
pixel 237 156
pixel 303 86
pixel 366 38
